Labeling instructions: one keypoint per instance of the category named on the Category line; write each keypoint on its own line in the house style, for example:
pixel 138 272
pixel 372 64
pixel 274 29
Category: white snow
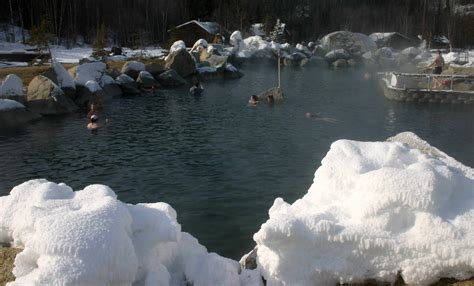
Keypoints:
pixel 375 208
pixel 12 86
pixel 93 71
pixel 199 45
pixel 88 237
pixel 63 55
pixel 254 46
pixel 64 78
pixel 7 104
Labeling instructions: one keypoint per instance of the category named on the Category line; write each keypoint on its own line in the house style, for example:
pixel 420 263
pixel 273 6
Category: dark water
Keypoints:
pixel 217 161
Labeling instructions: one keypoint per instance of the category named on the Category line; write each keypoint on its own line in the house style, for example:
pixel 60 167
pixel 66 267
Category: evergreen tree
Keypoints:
pixel 100 43
pixel 40 36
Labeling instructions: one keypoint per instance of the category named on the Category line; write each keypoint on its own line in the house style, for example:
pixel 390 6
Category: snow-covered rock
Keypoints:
pixel 355 43
pixel 93 71
pixel 92 86
pixel 177 46
pixel 254 46
pixel 199 45
pixel 12 87
pixel 235 39
pixel 374 209
pixel 88 237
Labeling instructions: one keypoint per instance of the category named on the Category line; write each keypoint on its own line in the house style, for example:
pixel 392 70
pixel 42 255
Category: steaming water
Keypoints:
pixel 217 161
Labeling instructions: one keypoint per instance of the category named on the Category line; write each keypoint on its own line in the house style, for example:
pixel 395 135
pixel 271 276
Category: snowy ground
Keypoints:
pixel 374 209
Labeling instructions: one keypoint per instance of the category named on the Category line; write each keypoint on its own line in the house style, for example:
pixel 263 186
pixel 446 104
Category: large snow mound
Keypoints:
pixel 254 46
pixel 89 237
pixel 375 208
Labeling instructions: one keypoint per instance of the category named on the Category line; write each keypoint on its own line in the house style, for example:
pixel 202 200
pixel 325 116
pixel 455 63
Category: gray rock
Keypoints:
pixel 133 69
pixel 353 42
pixel 319 51
pixel 146 80
pixel 182 62
pixel 46 98
pixel 171 78
pixel 127 84
pixel 384 52
pixel 14 117
pixel 340 63
pixel 58 74
pixel 155 69
pixel 352 63
pixel 338 54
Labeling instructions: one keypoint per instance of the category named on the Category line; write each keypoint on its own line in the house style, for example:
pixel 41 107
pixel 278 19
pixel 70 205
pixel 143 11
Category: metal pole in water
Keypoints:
pixel 279 74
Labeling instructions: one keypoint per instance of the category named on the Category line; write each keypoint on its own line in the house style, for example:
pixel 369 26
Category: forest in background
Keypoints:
pixel 130 22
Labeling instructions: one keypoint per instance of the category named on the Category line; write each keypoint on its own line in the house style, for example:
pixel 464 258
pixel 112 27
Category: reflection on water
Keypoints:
pixel 217 161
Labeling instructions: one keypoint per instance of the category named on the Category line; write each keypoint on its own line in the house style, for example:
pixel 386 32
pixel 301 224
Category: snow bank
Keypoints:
pixel 88 237
pixel 12 86
pixel 375 208
pixel 63 55
pixel 7 104
pixel 93 71
pixel 235 38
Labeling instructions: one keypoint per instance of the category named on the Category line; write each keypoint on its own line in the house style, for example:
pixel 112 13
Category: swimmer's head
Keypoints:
pixel 94 118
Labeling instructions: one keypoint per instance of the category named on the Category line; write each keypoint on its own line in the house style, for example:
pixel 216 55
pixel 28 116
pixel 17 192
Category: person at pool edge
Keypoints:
pixel 438 63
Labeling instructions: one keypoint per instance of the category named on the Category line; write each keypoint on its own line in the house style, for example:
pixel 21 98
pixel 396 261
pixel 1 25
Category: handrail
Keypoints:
pixel 428 75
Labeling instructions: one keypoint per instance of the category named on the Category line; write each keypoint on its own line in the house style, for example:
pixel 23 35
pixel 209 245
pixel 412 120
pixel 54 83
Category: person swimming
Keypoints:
pixel 93 122
pixel 253 100
pixel 319 118
pixel 196 89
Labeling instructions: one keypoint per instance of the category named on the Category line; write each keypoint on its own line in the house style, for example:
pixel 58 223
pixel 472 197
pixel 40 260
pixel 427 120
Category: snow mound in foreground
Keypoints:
pixel 12 86
pixel 375 208
pixel 89 237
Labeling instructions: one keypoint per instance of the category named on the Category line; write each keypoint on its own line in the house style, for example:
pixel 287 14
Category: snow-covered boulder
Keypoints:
pixel 60 76
pixel 354 43
pixel 88 237
pixel 255 46
pixel 374 209
pixel 304 49
pixel 146 80
pixel 295 59
pixel 171 78
pixel 177 46
pixel 182 62
pixel 235 39
pixel 133 68
pixel 46 98
pixel 127 84
pixel 96 71
pixel 200 45
pixel 12 88
pixel 13 114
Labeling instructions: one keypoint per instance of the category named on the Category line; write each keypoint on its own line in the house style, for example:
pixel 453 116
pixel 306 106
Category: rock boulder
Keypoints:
pixel 182 62
pixel 171 78
pixel 46 98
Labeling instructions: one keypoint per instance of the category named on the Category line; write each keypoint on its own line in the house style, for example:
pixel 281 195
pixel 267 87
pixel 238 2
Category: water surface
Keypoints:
pixel 217 161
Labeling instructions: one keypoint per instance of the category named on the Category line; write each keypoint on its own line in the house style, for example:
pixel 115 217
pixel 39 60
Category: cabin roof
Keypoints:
pixel 210 27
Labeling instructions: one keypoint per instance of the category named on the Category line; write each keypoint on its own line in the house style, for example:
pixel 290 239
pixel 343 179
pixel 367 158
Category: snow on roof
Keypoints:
pixel 7 104
pixel 374 209
pixel 210 27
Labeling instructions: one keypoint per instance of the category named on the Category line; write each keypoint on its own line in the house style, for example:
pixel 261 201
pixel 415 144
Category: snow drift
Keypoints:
pixel 88 237
pixel 375 208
